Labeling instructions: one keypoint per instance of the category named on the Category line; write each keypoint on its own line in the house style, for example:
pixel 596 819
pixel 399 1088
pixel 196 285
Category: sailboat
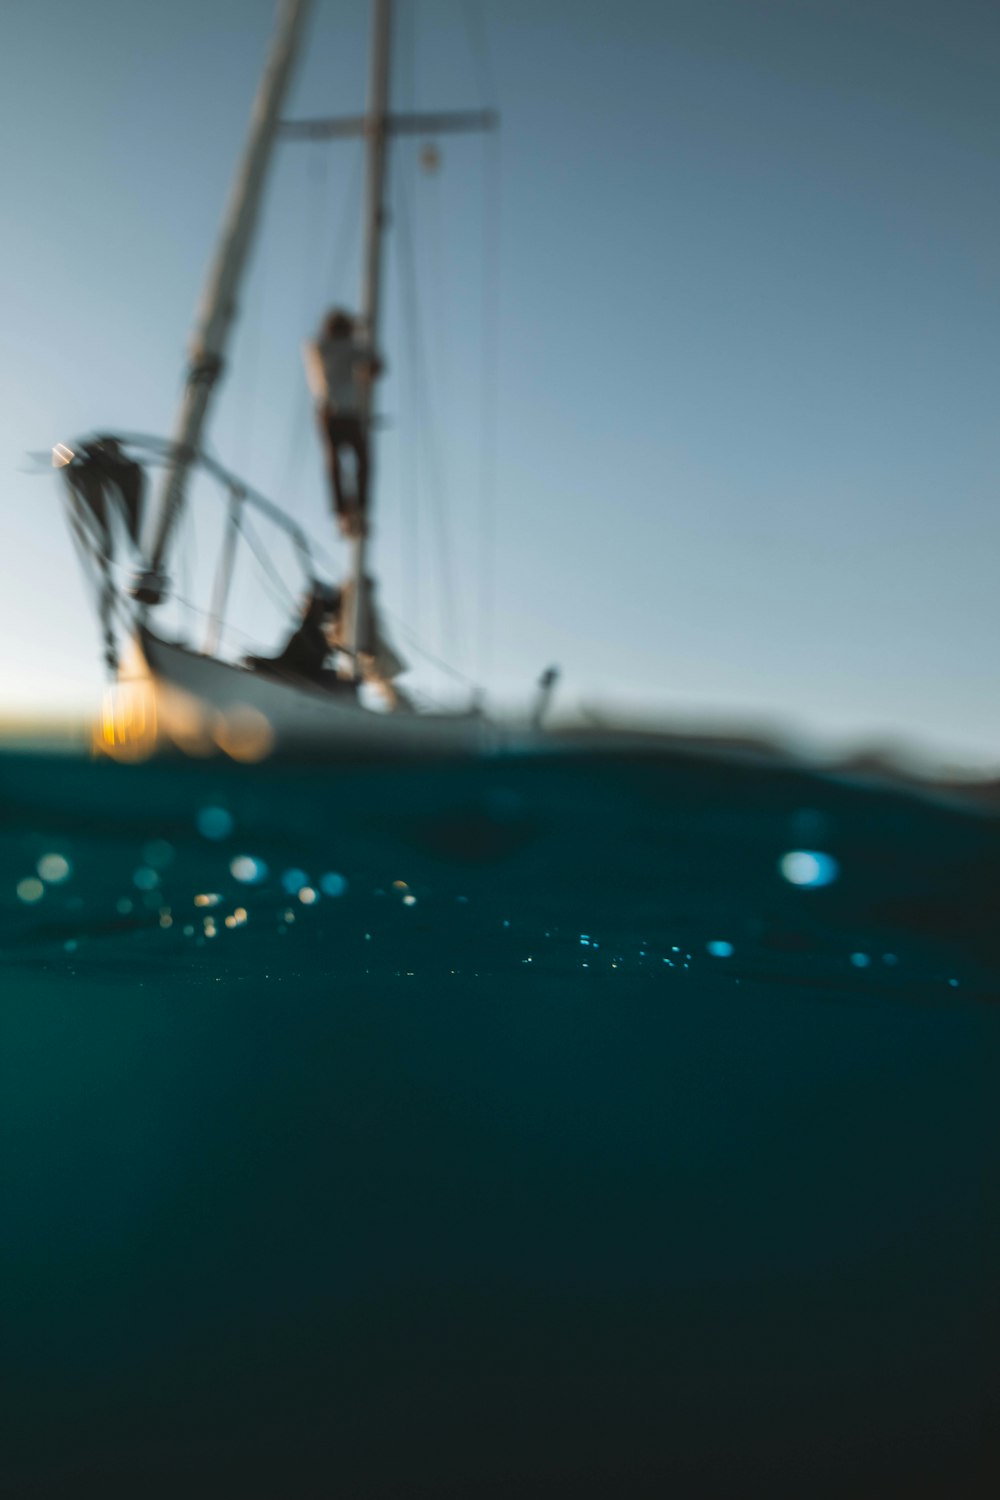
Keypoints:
pixel 197 699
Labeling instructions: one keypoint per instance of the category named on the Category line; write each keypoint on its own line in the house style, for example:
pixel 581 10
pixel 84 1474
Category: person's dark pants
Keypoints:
pixel 340 432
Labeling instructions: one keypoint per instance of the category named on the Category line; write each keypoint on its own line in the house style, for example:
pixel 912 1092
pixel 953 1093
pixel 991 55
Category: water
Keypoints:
pixel 616 1126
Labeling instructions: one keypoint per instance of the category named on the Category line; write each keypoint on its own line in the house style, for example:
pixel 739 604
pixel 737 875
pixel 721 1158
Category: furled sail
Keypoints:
pixel 102 480
pixel 105 492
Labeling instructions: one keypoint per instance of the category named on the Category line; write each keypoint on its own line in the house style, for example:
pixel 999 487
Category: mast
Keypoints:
pixel 376 129
pixel 218 305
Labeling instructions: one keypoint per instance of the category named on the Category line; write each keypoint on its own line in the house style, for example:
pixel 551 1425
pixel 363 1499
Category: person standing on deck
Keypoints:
pixel 339 367
pixel 306 651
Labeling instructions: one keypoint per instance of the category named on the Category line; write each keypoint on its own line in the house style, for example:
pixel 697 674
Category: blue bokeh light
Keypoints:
pixel 808 868
pixel 214 822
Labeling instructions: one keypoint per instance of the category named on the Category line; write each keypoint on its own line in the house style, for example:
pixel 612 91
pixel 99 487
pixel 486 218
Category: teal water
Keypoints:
pixel 527 1131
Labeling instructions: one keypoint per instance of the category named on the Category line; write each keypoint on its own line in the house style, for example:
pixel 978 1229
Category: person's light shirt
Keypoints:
pixel 333 368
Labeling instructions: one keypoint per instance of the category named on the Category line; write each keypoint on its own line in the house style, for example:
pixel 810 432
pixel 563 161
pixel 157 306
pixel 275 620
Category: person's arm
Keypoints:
pixel 367 366
pixel 315 371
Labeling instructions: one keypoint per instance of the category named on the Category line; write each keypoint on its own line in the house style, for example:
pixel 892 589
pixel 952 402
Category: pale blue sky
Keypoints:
pixel 749 335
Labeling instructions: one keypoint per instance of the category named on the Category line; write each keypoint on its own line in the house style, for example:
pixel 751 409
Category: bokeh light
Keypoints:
pixel 54 868
pixel 808 868
pixel 214 822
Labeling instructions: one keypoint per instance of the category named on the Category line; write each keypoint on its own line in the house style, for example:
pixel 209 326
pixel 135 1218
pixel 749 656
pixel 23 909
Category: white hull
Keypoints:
pixel 200 704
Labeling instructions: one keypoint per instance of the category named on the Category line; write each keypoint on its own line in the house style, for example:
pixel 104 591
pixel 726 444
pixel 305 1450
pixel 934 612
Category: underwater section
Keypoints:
pixel 618 1124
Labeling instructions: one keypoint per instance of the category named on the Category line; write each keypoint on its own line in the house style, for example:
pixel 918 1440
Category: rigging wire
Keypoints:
pixel 407 635
pixel 244 404
pixel 489 423
pixel 436 262
pixel 186 548
pixel 349 230
pixel 410 486
pixel 317 177
pixel 408 449
pixel 447 591
pixel 227 632
pixel 490 333
pixel 317 171
pixel 268 570
pixel 482 57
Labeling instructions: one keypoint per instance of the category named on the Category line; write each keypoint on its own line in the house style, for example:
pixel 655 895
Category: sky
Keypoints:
pixel 692 369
